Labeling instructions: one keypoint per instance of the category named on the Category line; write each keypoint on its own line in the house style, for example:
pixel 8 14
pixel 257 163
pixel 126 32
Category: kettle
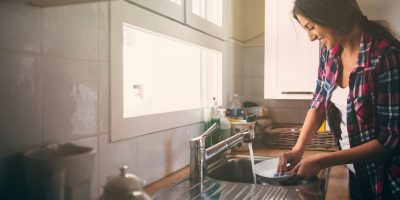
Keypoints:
pixel 124 186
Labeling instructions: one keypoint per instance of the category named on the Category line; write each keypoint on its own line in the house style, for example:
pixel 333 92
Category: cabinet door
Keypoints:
pixel 291 60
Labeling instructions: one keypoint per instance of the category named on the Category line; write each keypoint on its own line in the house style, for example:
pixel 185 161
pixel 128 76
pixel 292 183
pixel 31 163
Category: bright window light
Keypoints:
pixel 178 2
pixel 211 10
pixel 162 74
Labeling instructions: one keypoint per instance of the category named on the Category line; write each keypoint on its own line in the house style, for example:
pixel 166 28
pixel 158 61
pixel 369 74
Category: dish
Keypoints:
pixel 267 170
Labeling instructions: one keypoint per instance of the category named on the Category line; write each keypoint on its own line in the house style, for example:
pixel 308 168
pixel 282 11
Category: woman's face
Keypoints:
pixel 325 35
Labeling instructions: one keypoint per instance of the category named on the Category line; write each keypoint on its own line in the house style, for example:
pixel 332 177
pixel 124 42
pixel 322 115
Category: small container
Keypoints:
pixel 235 108
pixel 225 130
pixel 124 186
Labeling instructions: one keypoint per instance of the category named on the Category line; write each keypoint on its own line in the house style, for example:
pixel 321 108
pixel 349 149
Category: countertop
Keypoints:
pixel 337 183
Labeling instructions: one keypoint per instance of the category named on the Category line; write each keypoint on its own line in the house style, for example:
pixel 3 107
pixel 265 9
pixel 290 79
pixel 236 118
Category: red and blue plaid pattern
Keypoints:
pixel 372 108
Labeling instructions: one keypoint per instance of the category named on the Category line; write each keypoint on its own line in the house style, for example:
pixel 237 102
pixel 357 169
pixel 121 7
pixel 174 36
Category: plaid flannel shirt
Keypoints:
pixel 372 108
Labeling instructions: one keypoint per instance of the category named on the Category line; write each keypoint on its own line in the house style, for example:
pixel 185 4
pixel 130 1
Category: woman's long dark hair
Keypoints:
pixel 341 16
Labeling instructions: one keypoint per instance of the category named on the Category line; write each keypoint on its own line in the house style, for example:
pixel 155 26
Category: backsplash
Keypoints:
pixel 249 84
pixel 54 83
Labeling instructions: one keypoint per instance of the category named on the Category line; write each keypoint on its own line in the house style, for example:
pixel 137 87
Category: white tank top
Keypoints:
pixel 339 98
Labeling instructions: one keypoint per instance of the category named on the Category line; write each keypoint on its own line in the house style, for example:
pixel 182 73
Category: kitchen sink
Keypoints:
pixel 234 168
pixel 230 177
pixel 237 168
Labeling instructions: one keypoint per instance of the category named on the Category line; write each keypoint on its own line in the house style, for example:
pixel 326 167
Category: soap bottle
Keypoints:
pixel 215 119
pixel 225 131
pixel 235 109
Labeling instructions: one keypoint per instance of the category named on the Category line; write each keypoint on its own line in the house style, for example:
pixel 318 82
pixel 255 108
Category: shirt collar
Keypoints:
pixel 364 49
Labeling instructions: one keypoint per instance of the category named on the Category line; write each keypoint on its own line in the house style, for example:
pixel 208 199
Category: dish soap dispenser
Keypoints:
pixel 215 119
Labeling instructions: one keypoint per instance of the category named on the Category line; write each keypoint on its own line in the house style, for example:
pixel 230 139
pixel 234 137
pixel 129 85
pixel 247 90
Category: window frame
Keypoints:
pixel 203 24
pixel 122 128
pixel 164 7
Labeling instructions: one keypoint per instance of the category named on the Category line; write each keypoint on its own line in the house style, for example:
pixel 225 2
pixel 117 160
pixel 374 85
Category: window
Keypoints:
pixel 162 72
pixel 211 10
pixel 208 16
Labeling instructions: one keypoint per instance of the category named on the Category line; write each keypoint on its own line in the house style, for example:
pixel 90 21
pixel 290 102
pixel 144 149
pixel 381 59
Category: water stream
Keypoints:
pixel 252 161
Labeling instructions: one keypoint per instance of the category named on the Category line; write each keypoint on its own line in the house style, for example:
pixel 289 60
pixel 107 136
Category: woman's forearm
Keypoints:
pixel 311 125
pixel 370 151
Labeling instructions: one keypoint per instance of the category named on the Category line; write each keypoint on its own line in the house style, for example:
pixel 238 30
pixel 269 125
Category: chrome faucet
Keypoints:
pixel 199 154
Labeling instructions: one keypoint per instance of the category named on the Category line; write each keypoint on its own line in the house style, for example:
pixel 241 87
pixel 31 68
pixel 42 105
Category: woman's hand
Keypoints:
pixel 291 157
pixel 308 168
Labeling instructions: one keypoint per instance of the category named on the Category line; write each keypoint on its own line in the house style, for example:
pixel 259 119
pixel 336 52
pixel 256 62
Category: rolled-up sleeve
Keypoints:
pixel 318 100
pixel 387 96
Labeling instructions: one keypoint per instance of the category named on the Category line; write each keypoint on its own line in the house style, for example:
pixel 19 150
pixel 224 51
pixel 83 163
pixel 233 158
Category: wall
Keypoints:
pixel 54 84
pixel 246 21
pixel 247 43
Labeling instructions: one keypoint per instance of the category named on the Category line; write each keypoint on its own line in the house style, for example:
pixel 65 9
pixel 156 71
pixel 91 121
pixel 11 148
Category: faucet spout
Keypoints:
pixel 199 154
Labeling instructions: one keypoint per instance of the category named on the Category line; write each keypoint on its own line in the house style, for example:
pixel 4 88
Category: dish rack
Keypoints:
pixel 284 136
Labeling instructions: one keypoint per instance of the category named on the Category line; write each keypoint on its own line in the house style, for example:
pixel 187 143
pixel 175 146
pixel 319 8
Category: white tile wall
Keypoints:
pixel 71 31
pixel 281 111
pixel 238 60
pixel 253 86
pixel 20 27
pixel 69 99
pixel 104 98
pixel 151 156
pixel 175 152
pixel 282 115
pixel 54 83
pixel 238 87
pixel 19 100
pixel 115 155
pixel 254 62
pixel 103 31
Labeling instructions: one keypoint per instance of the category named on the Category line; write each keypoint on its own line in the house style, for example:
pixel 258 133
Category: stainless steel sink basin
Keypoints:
pixel 234 168
pixel 237 168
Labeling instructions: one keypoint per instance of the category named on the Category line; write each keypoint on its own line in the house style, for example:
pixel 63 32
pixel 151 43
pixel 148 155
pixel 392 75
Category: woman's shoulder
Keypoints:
pixel 386 55
pixel 382 47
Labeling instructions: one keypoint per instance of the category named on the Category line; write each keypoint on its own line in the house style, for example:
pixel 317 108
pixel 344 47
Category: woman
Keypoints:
pixel 357 91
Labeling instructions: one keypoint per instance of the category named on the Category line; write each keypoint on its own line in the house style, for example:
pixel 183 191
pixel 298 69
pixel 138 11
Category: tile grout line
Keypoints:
pixel 40 73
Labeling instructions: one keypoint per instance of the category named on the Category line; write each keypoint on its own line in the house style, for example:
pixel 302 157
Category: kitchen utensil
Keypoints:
pixel 124 186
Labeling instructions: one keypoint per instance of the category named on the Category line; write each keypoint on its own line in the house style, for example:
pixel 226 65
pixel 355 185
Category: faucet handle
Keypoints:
pixel 248 136
pixel 199 141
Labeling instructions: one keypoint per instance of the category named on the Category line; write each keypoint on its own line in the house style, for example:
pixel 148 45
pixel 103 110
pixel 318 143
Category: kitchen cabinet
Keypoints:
pixel 291 59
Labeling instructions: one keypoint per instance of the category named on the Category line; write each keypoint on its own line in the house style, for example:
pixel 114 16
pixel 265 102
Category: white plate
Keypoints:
pixel 267 170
